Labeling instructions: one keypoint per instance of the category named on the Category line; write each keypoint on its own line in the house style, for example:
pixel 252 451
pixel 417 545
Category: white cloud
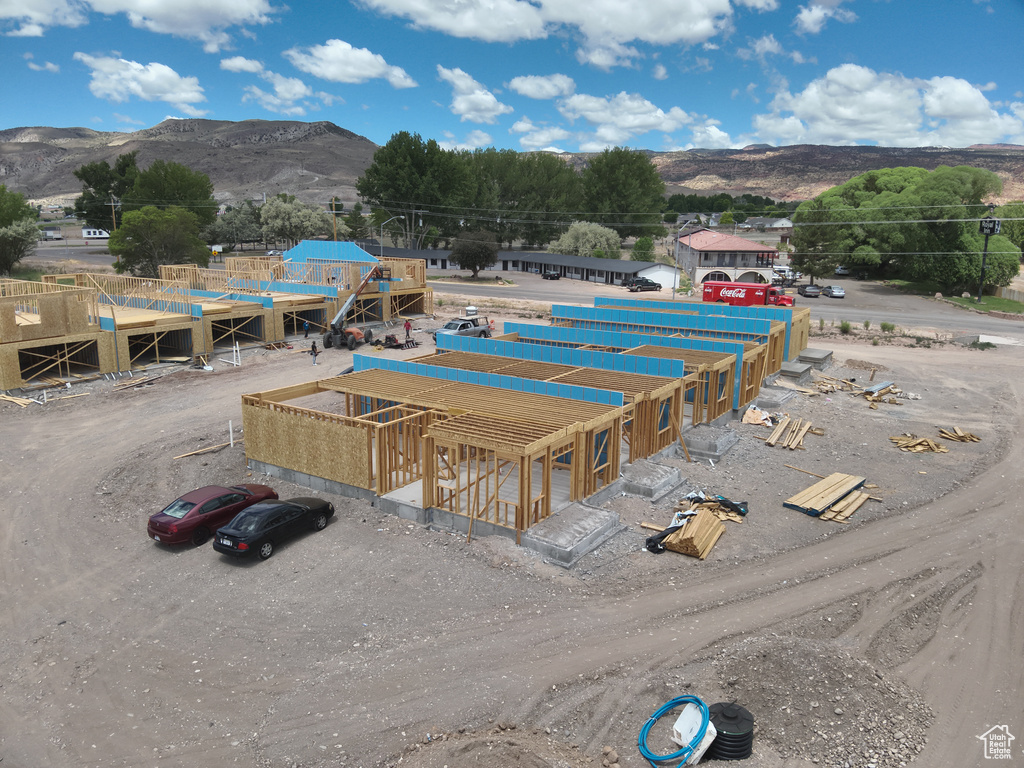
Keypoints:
pixel 542 86
pixel 47 66
pixel 853 104
pixel 287 90
pixel 621 117
pixel 475 139
pixel 605 28
pixel 470 99
pixel 117 80
pixel 812 18
pixel 127 120
pixel 709 136
pixel 659 72
pixel 241 64
pixel 759 5
pixel 539 137
pixel 339 62
pixel 204 20
pixel 33 18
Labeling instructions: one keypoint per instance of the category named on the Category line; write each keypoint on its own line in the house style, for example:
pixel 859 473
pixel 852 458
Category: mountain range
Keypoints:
pixel 251 159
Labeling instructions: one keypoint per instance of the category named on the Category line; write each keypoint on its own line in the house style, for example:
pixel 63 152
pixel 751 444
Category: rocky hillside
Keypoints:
pixel 314 161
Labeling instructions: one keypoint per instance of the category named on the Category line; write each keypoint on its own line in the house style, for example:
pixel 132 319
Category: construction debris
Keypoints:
pixel 824 494
pixel 696 537
pixel 914 444
pixel 790 433
pixel 958 435
pixel 21 401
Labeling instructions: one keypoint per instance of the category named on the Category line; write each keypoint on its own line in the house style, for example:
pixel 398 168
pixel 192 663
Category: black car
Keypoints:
pixel 263 526
pixel 642 284
pixel 551 275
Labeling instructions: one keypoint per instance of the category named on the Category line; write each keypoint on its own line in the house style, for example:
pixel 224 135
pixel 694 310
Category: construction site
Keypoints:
pixel 504 581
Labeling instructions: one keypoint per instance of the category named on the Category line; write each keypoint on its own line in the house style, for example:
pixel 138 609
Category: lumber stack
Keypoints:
pixel 696 538
pixel 824 494
pixel 19 401
pixel 958 435
pixel 915 444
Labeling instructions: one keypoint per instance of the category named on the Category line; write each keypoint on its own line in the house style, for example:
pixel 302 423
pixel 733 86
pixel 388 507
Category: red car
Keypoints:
pixel 196 515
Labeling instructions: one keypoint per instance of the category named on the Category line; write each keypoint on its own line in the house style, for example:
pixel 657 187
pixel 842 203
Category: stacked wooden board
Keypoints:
pixel 824 494
pixel 696 538
pixel 842 509
pixel 718 510
pixel 790 433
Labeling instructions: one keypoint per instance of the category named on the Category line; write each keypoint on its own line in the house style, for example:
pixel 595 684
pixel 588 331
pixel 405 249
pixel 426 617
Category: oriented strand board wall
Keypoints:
pixel 10 366
pixel 319 448
pixel 799 332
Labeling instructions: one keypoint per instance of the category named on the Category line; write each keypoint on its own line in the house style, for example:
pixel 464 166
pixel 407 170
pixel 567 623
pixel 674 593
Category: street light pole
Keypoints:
pixel 989 226
pixel 382 232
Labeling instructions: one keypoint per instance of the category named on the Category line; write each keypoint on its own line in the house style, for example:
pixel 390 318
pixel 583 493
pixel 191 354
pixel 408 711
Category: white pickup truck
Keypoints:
pixel 465 326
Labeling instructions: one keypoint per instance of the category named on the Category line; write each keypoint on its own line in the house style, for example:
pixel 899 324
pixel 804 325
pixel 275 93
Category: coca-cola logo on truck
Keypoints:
pixel 734 293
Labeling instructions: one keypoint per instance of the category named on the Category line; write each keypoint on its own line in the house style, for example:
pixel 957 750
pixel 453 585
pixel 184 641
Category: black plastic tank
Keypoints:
pixel 735 726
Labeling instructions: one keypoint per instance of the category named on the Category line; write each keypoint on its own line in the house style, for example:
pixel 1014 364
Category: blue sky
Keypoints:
pixel 570 75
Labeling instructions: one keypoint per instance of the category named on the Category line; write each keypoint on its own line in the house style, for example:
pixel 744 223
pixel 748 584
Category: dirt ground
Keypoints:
pixel 893 638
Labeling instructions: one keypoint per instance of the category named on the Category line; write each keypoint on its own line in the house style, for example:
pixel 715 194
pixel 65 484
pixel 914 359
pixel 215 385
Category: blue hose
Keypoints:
pixel 683 754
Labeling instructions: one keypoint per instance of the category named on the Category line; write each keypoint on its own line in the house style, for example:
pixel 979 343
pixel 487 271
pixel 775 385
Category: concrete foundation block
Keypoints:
pixel 708 441
pixel 645 478
pixel 773 399
pixel 571 533
pixel 819 359
pixel 798 373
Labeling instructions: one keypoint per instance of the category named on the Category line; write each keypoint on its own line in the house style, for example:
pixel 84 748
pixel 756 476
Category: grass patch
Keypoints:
pixel 990 304
pixel 982 345
pixel 27 273
pixel 888 327
pixel 923 287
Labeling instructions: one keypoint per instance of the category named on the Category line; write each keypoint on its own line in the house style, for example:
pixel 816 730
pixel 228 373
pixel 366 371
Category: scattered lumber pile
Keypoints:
pixel 914 444
pixel 829 384
pixel 695 538
pixel 877 394
pixel 825 494
pixel 958 435
pixel 20 401
pixel 842 509
pixel 790 433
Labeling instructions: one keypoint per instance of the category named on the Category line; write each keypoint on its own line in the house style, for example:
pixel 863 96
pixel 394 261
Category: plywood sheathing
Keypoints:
pixel 31 310
pixel 82 353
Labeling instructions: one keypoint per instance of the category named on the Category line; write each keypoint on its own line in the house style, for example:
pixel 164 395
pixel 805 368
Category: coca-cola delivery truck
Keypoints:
pixel 746 294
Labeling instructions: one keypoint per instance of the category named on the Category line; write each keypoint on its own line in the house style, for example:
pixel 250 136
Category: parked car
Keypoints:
pixel 841 270
pixel 834 291
pixel 810 291
pixel 263 526
pixel 196 515
pixel 477 325
pixel 551 275
pixel 635 284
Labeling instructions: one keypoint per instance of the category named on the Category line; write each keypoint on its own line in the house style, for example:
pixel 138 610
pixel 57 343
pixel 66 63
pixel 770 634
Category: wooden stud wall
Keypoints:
pixel 83 353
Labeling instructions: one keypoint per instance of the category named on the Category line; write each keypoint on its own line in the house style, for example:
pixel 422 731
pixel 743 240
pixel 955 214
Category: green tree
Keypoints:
pixel 622 188
pixel 153 236
pixel 726 219
pixel 420 181
pixel 18 232
pixel 908 221
pixel 475 250
pixel 643 249
pixel 586 239
pixel 1012 228
pixel 17 240
pixel 165 184
pixel 13 207
pixel 103 188
pixel 285 219
pixel 236 226
pixel 356 224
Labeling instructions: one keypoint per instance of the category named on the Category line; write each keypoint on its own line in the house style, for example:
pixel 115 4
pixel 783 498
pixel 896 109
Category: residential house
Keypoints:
pixel 705 255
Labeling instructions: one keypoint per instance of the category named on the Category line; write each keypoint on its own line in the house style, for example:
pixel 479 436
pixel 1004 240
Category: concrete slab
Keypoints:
pixel 799 373
pixel 985 339
pixel 819 359
pixel 571 533
pixel 709 441
pixel 645 478
pixel 773 399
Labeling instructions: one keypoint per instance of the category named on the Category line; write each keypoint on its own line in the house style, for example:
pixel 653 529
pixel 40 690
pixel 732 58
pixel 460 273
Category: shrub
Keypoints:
pixel 821 323
pixel 874 342
pixel 845 327
pixel 888 327
pixel 867 325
